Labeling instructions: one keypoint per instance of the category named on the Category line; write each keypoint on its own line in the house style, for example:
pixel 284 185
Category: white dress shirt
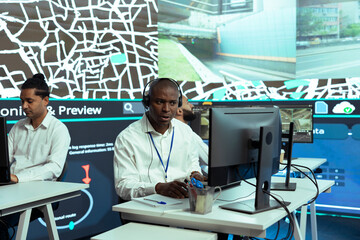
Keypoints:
pixel 202 148
pixel 137 167
pixel 38 154
pixel 203 151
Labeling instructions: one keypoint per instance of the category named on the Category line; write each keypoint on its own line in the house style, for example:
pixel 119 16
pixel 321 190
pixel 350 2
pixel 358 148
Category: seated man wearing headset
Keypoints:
pixel 155 153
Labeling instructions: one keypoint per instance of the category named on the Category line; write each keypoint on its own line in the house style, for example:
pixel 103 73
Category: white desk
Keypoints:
pixel 225 221
pixel 22 197
pixel 312 163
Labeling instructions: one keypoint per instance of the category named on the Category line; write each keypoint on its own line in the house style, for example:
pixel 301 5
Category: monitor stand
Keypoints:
pixel 262 200
pixel 287 186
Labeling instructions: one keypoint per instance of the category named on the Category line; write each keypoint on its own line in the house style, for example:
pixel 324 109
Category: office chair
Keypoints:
pixel 55 205
pixel 63 173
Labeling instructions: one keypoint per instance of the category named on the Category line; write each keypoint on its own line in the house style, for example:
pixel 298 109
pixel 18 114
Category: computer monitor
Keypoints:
pixel 4 154
pixel 239 138
pixel 302 117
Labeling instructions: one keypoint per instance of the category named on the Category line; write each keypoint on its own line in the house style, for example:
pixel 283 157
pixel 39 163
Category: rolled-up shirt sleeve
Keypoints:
pixel 128 182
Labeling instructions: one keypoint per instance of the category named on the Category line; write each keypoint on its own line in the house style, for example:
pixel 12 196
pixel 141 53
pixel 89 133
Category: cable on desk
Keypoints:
pixel 313 180
pixel 278 196
pixel 291 227
pixel 223 200
pixel 242 178
pixel 290 231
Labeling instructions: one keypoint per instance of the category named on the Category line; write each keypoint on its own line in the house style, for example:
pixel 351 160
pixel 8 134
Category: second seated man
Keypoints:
pixel 38 144
pixel 156 153
pixel 186 114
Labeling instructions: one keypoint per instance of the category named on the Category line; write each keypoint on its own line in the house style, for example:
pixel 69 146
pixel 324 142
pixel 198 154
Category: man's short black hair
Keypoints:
pixel 166 82
pixel 38 82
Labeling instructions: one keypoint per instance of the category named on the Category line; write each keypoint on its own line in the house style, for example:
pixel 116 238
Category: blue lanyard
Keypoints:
pixel 168 160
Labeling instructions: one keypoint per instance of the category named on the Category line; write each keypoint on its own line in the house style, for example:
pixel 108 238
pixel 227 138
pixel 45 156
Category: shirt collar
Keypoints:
pixel 147 127
pixel 45 123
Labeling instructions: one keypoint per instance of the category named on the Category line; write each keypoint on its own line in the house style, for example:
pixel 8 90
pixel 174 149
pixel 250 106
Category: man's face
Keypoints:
pixel 186 105
pixel 163 105
pixel 34 106
pixel 188 110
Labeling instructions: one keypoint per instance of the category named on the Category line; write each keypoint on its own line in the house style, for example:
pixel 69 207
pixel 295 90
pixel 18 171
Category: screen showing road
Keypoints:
pixel 302 117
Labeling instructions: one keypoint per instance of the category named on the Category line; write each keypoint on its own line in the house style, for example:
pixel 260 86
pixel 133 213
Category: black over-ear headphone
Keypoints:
pixel 146 97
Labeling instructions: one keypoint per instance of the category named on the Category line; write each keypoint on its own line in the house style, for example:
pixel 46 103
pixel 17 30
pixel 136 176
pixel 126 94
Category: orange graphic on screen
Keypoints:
pixel 87 179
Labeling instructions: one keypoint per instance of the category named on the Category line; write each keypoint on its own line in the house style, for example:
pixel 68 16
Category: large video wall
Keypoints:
pixel 98 55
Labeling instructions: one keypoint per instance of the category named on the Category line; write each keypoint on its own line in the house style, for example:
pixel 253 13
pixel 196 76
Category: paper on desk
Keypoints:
pixel 152 200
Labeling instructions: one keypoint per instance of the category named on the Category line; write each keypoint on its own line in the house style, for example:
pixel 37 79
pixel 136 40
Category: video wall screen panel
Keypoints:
pixel 86 49
pixel 268 41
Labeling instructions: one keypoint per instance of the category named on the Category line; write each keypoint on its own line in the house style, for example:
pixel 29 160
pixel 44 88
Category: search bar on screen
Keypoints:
pixel 133 108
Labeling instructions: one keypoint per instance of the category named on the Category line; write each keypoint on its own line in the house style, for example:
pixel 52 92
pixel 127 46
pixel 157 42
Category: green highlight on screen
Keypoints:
pixel 118 58
pixel 256 83
pixel 71 225
pixel 296 95
pixel 296 83
pixel 219 94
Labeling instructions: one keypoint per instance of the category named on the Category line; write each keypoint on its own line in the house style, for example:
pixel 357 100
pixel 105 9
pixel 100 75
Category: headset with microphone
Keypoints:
pixel 146 97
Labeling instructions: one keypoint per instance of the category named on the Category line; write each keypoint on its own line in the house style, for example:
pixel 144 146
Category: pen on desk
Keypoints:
pixel 158 202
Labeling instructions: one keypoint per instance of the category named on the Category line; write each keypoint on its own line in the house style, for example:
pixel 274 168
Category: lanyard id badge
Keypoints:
pixel 168 160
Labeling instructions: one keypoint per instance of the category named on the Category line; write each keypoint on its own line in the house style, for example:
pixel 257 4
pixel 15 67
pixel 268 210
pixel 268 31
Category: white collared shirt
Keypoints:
pixel 203 149
pixel 137 167
pixel 38 154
